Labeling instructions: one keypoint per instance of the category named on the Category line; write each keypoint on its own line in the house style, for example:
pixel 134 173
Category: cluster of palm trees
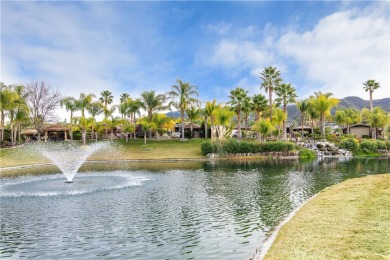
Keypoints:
pixel 263 116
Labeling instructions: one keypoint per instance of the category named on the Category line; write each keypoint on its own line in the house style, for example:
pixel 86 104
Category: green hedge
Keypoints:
pixel 233 146
pixel 306 153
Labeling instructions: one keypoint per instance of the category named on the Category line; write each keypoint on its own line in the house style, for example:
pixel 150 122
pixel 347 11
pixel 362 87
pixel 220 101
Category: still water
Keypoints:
pixel 182 210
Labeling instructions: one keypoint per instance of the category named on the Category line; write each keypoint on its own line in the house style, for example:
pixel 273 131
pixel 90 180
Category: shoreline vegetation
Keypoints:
pixel 349 220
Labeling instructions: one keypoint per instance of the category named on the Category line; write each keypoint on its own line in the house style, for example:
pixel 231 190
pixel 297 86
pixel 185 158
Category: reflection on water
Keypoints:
pixel 191 210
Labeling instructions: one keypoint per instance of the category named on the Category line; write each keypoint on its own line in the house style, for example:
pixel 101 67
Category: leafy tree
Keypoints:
pixel 20 114
pixel 183 96
pixel 271 79
pixel 303 107
pixel 210 112
pixel 369 86
pixel 95 109
pixel 223 117
pixel 322 103
pixel 106 98
pixel 8 99
pixel 278 118
pixel 286 94
pixel 377 118
pixel 162 122
pixel 238 99
pixel 42 101
pixel 147 127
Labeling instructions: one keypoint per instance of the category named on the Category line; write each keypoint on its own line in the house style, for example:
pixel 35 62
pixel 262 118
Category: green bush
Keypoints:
pixel 232 146
pixel 306 153
pixel 207 147
pixel 350 144
pixel 381 145
pixel 369 146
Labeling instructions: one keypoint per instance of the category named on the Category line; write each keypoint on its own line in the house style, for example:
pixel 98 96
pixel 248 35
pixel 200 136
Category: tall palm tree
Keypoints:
pixel 322 103
pixel 20 114
pixel 286 94
pixel 238 99
pixel 134 107
pixel 183 95
pixel 147 126
pixel 70 105
pixel 193 114
pixel 152 103
pixel 278 118
pixel 259 105
pixel 209 112
pixel 106 98
pixel 369 86
pixel 271 79
pixel 303 107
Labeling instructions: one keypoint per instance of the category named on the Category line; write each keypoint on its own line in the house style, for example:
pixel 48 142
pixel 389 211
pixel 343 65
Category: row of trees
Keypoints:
pixel 34 104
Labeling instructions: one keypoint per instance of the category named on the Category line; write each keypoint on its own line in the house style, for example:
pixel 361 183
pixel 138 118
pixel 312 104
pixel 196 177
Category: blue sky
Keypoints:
pixel 126 46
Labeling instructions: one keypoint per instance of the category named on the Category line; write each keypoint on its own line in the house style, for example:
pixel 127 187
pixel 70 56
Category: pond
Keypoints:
pixel 163 210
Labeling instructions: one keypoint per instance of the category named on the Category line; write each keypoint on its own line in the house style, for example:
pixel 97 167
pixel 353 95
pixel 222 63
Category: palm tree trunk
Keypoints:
pixel 182 124
pixel 239 124
pixel 371 106
pixel 145 138
pixel 205 128
pixel 270 103
pixel 284 124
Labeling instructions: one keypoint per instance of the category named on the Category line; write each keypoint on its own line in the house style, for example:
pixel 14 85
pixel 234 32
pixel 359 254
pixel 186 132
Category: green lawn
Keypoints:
pixel 119 150
pixel 350 220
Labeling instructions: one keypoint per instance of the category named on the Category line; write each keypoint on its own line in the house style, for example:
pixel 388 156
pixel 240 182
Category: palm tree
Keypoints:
pixel 106 98
pixel 278 118
pixel 303 107
pixel 134 107
pixel 238 99
pixel 263 127
pixel 286 94
pixel 377 118
pixel 70 105
pixel 182 95
pixel 271 79
pixel 152 103
pixel 193 114
pixel 369 86
pixel 223 117
pixel 209 112
pixel 84 102
pixel 147 126
pixel 322 103
pixel 20 114
pixel 124 97
pixel 347 117
pixel 94 109
pixel 259 105
pixel 8 99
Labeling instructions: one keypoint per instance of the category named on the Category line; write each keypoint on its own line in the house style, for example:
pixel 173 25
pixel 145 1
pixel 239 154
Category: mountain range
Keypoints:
pixel 351 101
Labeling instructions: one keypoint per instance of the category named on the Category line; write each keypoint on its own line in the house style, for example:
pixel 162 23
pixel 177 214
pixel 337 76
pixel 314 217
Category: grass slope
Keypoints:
pixel 350 220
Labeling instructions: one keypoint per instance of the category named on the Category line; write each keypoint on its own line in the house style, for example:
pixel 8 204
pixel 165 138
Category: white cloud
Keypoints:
pixel 342 51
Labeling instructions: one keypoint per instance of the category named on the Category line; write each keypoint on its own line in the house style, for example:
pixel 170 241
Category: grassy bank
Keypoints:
pixel 118 150
pixel 350 220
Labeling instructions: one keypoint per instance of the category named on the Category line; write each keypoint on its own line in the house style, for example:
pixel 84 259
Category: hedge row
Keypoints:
pixel 233 146
pixel 370 146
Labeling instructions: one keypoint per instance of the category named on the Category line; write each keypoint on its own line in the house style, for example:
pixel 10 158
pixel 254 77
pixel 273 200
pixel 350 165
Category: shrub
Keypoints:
pixel 369 146
pixel 381 145
pixel 207 147
pixel 232 146
pixel 350 144
pixel 306 153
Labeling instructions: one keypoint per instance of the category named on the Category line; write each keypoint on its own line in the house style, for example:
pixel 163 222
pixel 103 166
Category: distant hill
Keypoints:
pixel 356 102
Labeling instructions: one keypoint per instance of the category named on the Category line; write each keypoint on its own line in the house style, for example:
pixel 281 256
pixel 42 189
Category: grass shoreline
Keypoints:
pixel 349 220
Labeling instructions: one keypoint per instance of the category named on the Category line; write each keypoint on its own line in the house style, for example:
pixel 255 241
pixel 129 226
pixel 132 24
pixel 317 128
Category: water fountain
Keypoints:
pixel 68 156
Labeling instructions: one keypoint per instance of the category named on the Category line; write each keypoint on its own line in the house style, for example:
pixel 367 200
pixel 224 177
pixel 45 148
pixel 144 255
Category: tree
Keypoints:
pixel 263 127
pixel 223 117
pixel 147 126
pixel 42 101
pixel 106 98
pixel 182 96
pixel 8 99
pixel 303 107
pixel 322 103
pixel 193 114
pixel 70 105
pixel 152 103
pixel 84 102
pixel 347 117
pixel 377 118
pixel 259 105
pixel 286 94
pixel 238 99
pixel 271 79
pixel 278 118
pixel 210 110
pixel 369 86
pixel 20 113
pixel 94 109
pixel 124 97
